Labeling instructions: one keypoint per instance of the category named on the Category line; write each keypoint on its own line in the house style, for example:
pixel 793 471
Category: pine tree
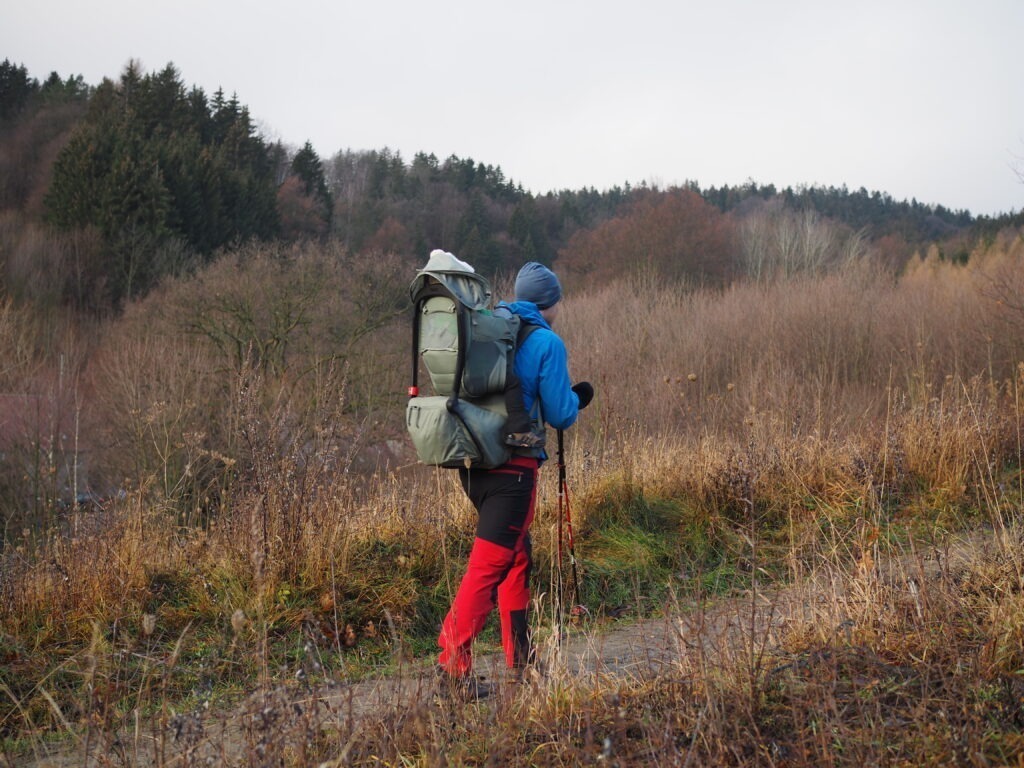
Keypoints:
pixel 16 88
pixel 307 166
pixel 153 165
pixel 133 217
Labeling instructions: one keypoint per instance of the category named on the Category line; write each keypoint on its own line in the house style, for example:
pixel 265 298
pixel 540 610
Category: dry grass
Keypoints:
pixel 825 354
pixel 834 433
pixel 911 664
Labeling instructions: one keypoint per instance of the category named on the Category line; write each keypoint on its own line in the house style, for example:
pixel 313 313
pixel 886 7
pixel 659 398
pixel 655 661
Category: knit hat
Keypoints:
pixel 538 284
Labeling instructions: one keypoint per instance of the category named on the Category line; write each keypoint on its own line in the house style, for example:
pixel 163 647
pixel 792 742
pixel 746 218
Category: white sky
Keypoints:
pixel 917 98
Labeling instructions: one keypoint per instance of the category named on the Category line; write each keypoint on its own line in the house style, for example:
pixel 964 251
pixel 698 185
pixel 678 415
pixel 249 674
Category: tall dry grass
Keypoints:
pixel 804 431
pixel 822 353
pixel 41 407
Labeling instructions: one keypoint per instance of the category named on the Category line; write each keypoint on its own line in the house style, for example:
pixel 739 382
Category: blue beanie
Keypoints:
pixel 538 284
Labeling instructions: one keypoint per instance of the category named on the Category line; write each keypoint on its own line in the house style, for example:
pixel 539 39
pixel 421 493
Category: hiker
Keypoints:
pixel 499 564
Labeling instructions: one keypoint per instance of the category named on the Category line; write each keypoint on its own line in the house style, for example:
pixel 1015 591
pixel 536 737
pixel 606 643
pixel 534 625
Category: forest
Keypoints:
pixel 141 178
pixel 207 494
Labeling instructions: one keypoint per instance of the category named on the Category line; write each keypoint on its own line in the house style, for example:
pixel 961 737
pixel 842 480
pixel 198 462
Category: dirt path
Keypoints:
pixel 747 627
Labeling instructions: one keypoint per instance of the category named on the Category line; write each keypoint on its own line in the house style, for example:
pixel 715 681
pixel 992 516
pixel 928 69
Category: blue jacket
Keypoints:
pixel 542 365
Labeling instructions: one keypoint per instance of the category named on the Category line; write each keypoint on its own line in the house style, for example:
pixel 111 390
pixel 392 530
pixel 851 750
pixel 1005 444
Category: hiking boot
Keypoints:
pixel 467 687
pixel 529 674
pixel 524 440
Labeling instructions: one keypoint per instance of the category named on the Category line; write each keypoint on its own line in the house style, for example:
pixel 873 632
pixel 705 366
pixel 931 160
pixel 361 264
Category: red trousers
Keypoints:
pixel 498 571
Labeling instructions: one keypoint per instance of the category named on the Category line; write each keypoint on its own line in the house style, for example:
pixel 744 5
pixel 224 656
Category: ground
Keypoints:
pixel 599 655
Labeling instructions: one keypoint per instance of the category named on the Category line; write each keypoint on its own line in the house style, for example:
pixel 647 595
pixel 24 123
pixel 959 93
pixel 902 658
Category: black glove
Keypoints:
pixel 585 391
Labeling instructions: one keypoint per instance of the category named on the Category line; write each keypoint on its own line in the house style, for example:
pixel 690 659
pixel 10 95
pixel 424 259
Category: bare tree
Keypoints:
pixel 779 243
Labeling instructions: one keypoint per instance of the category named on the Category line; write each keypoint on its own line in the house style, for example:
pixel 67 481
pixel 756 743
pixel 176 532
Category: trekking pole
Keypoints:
pixel 564 509
pixel 559 611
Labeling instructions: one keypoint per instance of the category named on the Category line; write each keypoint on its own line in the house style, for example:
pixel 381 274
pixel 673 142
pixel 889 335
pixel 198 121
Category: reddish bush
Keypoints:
pixel 675 235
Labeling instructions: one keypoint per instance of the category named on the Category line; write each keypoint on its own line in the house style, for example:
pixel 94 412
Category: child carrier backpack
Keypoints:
pixel 468 349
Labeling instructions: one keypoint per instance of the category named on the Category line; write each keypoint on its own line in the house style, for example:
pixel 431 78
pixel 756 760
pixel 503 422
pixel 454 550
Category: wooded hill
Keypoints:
pixel 105 189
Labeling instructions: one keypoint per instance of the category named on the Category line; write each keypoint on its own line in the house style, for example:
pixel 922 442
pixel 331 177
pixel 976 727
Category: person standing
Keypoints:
pixel 498 570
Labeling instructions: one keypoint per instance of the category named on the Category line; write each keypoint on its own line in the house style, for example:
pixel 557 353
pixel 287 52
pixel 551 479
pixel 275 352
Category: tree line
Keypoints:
pixel 158 177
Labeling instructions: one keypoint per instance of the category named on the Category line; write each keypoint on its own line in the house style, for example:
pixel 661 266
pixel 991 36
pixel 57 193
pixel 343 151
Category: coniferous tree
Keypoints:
pixel 16 88
pixel 154 165
pixel 54 90
pixel 307 167
pixel 134 212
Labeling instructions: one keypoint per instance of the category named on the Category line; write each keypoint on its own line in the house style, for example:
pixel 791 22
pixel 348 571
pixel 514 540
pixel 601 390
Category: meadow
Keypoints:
pixel 213 496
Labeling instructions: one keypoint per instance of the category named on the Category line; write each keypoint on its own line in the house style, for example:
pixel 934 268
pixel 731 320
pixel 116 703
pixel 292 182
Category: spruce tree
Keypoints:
pixel 307 166
pixel 16 88
pixel 153 165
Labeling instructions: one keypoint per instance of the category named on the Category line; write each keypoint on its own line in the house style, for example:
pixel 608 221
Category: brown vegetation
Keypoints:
pixel 787 429
pixel 674 236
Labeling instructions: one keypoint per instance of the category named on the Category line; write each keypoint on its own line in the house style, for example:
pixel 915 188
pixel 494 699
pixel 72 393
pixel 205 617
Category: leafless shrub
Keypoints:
pixel 779 243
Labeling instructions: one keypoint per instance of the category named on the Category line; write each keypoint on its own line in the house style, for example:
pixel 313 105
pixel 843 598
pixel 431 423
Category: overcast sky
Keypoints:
pixel 918 98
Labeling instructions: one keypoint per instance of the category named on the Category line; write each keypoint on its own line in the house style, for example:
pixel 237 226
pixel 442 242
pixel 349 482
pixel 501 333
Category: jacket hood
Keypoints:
pixel 528 311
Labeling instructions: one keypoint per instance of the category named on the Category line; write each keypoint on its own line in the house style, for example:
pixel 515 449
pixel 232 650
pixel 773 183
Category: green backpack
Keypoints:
pixel 468 350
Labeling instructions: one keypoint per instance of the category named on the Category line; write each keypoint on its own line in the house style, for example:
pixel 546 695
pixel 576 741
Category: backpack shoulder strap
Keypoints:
pixel 525 329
